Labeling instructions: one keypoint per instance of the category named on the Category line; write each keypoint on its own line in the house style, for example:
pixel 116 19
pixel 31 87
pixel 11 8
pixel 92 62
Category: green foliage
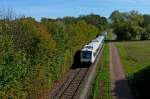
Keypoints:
pixel 13 69
pixel 130 26
pixel 69 20
pixel 146 20
pixel 96 20
pixel 33 55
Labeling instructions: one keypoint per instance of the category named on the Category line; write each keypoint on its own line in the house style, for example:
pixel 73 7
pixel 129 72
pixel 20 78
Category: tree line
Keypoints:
pixel 33 55
pixel 130 25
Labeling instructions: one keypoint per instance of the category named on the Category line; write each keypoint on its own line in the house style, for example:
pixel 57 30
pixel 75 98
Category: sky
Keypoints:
pixel 61 8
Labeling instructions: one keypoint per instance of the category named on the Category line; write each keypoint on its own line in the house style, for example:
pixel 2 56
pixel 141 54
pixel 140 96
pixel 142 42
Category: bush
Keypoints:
pixel 34 55
pixel 13 69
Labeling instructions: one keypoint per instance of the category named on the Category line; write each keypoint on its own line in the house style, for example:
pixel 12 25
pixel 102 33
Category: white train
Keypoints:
pixel 89 52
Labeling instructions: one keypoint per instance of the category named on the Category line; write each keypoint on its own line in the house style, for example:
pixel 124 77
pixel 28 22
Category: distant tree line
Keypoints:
pixel 33 55
pixel 130 25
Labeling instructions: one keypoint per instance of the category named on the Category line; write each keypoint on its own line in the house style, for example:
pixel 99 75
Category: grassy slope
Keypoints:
pixel 135 55
pixel 101 86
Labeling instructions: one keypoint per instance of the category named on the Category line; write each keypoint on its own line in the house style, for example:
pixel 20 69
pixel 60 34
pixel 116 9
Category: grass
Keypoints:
pixel 135 56
pixel 101 87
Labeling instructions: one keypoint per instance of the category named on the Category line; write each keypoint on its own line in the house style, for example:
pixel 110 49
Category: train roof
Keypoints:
pixel 94 44
pixel 98 39
pixel 90 47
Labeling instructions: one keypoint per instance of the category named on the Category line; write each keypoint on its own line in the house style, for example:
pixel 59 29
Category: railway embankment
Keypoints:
pixel 77 83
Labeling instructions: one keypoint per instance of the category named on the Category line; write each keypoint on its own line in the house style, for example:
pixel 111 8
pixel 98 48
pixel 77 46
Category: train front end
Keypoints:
pixel 86 56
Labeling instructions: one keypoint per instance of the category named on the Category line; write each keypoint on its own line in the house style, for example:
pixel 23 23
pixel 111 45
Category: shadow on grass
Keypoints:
pixel 107 41
pixel 140 83
pixel 122 90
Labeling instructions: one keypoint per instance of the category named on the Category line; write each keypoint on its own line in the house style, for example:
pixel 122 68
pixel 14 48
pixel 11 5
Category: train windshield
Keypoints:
pixel 89 47
pixel 86 54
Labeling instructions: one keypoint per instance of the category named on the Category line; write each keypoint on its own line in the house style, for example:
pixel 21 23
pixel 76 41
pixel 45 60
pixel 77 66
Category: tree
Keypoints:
pixel 33 55
pixel 146 33
pixel 96 20
pixel 146 21
pixel 117 17
pixel 68 20
pixel 128 26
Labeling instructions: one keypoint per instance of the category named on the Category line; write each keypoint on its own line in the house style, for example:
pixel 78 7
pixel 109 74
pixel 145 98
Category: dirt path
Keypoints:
pixel 119 84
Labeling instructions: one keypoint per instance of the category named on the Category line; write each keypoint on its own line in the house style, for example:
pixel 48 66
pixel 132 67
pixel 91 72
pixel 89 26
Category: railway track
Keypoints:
pixel 71 88
pixel 74 83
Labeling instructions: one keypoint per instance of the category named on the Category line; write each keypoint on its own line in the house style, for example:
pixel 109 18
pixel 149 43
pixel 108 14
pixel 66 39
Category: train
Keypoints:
pixel 90 51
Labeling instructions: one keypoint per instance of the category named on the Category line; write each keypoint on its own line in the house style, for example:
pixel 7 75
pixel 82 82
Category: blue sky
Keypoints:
pixel 61 8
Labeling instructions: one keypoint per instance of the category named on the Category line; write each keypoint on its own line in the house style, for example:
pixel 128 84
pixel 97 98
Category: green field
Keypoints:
pixel 135 56
pixel 101 86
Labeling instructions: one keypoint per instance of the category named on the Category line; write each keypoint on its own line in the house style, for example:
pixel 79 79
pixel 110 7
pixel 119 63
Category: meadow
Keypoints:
pixel 135 56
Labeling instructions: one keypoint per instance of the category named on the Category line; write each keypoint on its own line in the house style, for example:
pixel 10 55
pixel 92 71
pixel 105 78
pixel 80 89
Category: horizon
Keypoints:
pixel 62 8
